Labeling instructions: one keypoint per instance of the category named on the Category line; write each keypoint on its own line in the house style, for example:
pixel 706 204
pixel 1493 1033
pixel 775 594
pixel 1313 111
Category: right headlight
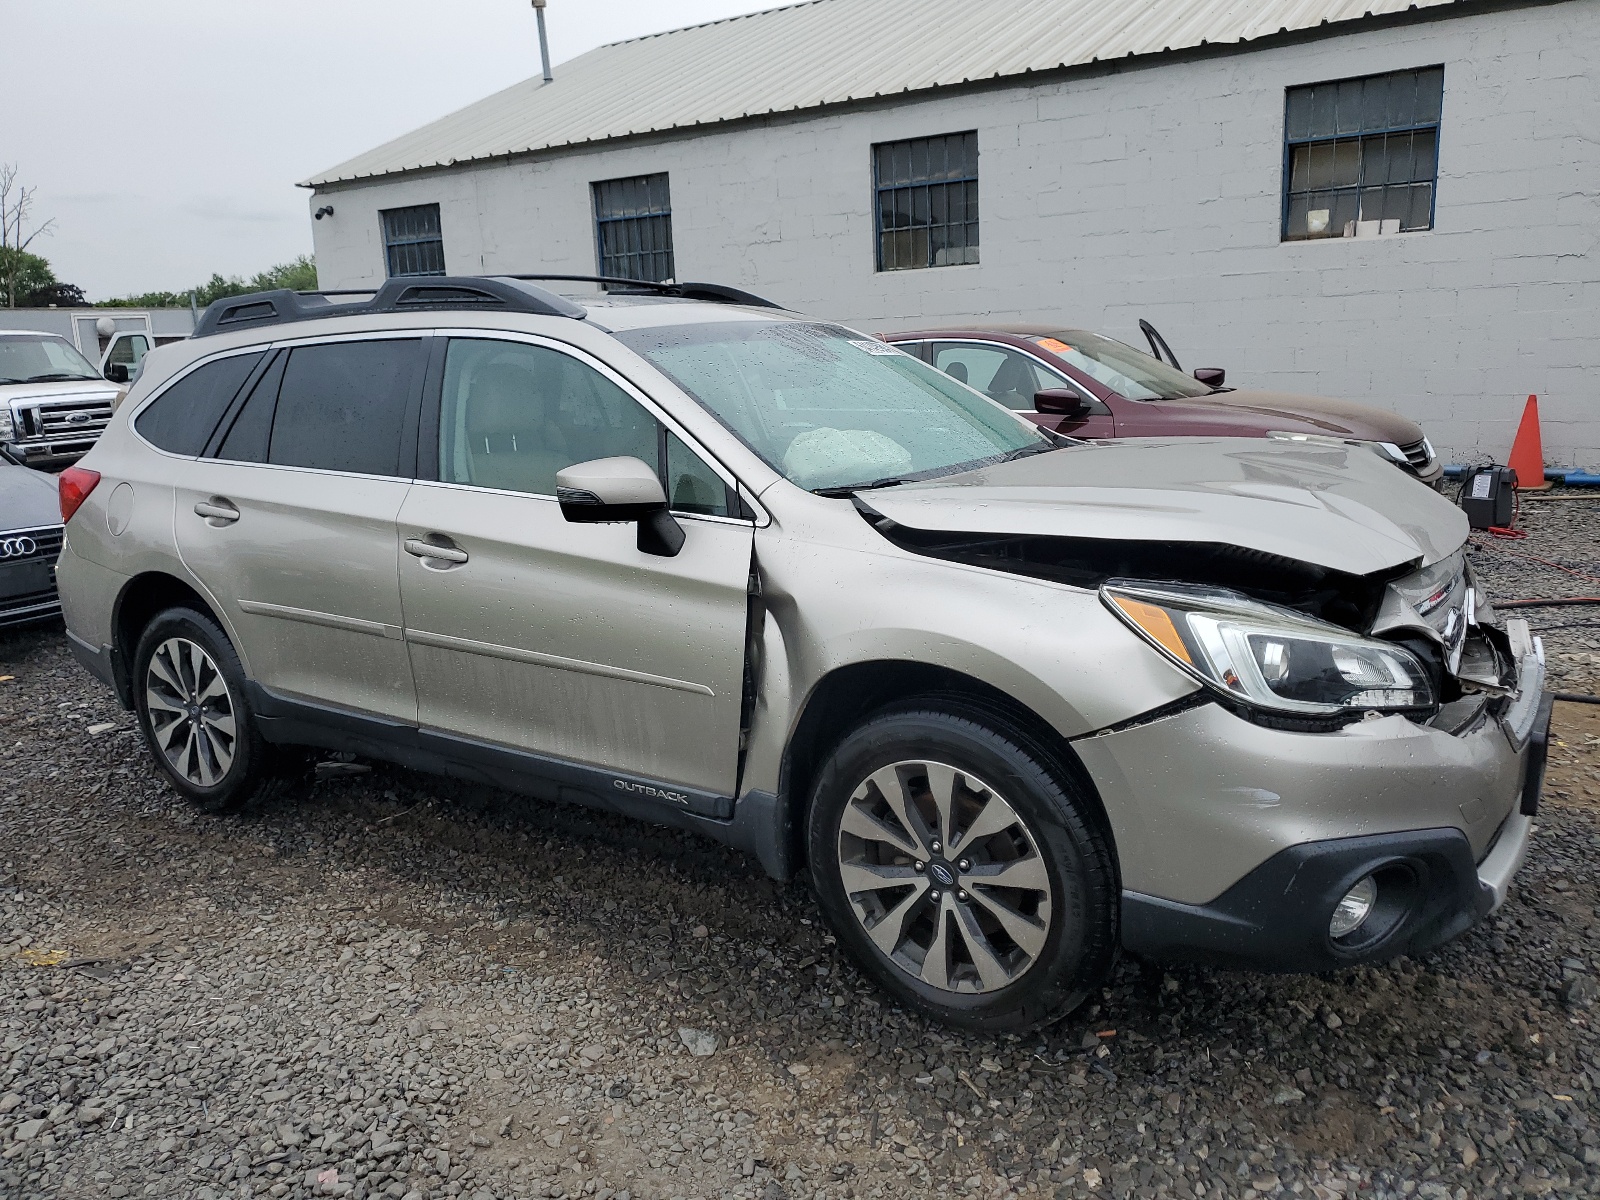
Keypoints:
pixel 1269 657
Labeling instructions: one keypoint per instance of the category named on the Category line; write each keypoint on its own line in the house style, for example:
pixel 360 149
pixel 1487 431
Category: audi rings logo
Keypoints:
pixel 18 547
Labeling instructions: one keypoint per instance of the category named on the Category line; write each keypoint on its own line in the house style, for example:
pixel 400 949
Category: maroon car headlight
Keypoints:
pixel 1268 657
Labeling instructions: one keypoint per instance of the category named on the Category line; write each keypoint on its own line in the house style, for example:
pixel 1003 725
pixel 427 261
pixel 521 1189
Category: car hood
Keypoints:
pixel 28 498
pixel 61 389
pixel 1288 413
pixel 1338 507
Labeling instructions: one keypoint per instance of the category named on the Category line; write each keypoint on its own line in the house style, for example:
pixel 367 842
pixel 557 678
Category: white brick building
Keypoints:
pixel 1131 161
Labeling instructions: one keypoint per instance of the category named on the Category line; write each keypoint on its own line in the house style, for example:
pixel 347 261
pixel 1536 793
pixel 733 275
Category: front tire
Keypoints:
pixel 196 719
pixel 964 874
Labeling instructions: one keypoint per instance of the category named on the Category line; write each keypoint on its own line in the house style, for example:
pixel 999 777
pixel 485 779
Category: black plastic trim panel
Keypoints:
pixel 1276 917
pixel 1537 757
pixel 750 824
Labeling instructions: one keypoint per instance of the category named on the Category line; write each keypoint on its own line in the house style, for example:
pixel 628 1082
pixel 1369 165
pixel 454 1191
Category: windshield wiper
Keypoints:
pixel 845 490
pixel 1027 452
pixel 52 377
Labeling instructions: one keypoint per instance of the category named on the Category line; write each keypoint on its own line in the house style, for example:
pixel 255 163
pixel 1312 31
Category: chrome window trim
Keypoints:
pixel 479 489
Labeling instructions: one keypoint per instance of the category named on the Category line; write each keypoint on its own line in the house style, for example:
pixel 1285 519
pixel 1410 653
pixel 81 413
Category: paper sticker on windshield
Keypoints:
pixel 873 347
pixel 1054 346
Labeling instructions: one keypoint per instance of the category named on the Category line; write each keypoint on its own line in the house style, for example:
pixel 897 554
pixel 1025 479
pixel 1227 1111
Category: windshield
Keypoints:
pixel 1126 371
pixel 831 409
pixel 40 358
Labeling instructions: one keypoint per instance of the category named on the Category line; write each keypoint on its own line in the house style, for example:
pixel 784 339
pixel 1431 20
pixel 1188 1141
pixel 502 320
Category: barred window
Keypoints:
pixel 927 193
pixel 1361 156
pixel 412 242
pixel 633 227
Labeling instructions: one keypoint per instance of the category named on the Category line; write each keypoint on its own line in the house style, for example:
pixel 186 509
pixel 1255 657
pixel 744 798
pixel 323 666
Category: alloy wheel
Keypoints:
pixel 944 876
pixel 191 711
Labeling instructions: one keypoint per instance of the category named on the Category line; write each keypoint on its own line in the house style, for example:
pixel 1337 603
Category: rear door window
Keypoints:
pixel 342 405
pixel 181 419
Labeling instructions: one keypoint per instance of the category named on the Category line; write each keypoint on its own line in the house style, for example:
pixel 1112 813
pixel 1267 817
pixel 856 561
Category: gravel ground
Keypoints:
pixel 387 984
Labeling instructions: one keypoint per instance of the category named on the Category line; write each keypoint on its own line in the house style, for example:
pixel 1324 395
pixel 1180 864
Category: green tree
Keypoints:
pixel 22 273
pixel 299 274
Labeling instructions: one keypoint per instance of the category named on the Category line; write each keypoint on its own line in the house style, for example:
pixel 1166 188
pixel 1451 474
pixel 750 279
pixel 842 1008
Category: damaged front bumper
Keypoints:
pixel 1238 841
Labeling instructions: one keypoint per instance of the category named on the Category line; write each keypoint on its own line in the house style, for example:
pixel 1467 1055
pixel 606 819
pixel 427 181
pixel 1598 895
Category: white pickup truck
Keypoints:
pixel 62 372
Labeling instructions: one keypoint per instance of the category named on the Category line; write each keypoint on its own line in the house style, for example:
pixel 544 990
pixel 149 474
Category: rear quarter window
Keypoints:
pixel 181 419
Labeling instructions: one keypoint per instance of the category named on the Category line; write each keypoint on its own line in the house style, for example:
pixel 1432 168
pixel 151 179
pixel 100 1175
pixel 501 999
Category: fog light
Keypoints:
pixel 1354 908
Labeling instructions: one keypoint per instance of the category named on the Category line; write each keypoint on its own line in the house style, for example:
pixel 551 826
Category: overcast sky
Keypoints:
pixel 166 137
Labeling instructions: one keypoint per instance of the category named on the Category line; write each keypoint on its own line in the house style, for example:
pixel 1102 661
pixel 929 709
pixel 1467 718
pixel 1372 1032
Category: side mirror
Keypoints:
pixel 620 489
pixel 1063 401
pixel 117 372
pixel 1210 376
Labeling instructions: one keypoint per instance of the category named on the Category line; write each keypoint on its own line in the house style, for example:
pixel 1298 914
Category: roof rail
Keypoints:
pixel 408 294
pixel 718 292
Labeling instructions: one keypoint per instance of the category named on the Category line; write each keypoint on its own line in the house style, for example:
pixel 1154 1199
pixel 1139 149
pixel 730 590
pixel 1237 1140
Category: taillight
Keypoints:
pixel 75 484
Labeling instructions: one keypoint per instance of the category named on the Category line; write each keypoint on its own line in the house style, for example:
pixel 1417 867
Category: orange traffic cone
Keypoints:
pixel 1527 452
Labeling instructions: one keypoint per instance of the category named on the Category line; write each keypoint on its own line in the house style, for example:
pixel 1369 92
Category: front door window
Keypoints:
pixel 513 414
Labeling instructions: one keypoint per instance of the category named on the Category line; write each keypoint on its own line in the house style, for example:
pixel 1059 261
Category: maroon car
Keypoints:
pixel 1088 385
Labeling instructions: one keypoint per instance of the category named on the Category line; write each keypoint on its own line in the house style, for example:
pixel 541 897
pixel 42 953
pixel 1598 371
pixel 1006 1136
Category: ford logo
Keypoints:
pixel 78 418
pixel 18 547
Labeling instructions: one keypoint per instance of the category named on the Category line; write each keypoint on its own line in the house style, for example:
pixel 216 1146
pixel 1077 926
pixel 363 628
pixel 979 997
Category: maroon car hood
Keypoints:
pixel 1240 412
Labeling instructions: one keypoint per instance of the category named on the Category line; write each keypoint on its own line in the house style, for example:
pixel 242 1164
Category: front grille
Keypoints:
pixel 19 607
pixel 71 423
pixel 1417 454
pixel 47 542
pixel 35 606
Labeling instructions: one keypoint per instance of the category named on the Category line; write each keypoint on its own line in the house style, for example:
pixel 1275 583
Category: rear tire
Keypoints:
pixel 983 894
pixel 189 693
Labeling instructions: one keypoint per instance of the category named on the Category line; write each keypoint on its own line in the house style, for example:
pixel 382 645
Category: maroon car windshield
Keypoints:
pixel 1126 371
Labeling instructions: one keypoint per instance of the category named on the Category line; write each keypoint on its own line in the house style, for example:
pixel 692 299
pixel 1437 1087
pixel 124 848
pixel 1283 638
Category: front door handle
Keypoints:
pixel 217 511
pixel 422 549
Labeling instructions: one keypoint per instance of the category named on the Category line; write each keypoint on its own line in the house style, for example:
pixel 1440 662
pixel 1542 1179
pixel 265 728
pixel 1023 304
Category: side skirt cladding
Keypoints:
pixel 751 823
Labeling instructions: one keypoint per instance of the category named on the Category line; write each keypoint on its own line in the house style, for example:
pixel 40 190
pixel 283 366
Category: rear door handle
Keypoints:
pixel 422 549
pixel 217 511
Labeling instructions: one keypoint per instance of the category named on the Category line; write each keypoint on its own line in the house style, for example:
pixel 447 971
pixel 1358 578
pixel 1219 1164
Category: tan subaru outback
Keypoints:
pixel 1012 701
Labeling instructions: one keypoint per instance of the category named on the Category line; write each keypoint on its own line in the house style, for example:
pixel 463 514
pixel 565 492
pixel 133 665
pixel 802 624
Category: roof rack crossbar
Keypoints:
pixel 719 292
pixel 406 294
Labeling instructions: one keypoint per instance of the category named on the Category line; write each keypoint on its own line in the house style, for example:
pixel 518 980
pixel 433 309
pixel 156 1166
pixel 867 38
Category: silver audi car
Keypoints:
pixel 1013 702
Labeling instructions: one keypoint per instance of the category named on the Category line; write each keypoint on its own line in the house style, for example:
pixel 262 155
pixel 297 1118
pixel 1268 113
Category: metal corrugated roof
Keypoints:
pixel 826 52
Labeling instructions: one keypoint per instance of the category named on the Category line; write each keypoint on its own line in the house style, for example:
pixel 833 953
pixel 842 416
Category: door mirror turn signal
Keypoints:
pixel 606 490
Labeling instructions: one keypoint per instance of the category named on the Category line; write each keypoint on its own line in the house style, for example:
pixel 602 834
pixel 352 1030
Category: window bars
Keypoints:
pixel 412 241
pixel 1361 156
pixel 633 227
pixel 927 201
